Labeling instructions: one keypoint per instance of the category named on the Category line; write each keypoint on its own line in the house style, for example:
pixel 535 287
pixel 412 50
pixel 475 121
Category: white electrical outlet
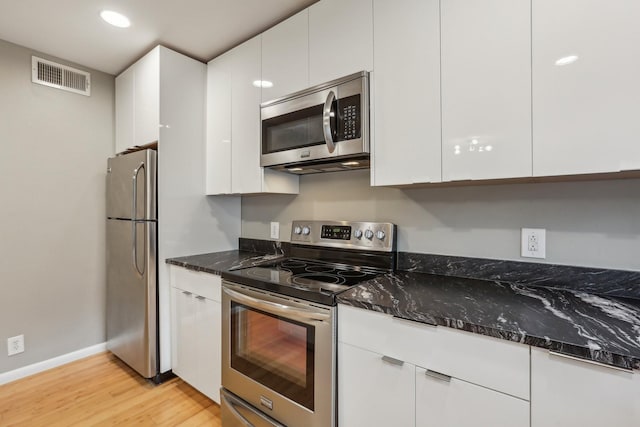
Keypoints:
pixel 533 243
pixel 275 230
pixel 15 345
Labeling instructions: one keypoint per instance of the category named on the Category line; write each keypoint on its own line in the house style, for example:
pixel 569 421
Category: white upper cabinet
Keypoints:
pixel 124 110
pixel 234 129
pixel 246 173
pixel 486 89
pixel 406 92
pixel 147 98
pixel 340 39
pixel 285 57
pixel 138 102
pixel 586 86
pixel 218 131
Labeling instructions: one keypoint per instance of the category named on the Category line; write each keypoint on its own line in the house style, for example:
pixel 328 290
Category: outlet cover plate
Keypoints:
pixel 533 243
pixel 275 230
pixel 15 345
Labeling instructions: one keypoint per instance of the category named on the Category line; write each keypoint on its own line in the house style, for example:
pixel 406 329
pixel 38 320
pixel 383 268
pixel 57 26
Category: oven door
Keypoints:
pixel 278 354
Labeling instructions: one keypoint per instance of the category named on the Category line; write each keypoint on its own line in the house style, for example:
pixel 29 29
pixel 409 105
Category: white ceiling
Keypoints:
pixel 73 29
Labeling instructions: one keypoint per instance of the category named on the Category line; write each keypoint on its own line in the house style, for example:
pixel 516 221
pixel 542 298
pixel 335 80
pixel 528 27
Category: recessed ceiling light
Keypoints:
pixel 116 19
pixel 262 83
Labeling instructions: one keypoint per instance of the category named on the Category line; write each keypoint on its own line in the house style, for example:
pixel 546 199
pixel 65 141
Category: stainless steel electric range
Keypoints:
pixel 279 323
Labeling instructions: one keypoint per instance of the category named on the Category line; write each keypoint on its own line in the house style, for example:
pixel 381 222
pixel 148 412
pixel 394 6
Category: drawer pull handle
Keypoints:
pixel 186 293
pixel 437 375
pixel 420 322
pixel 392 361
pixel 591 362
pixel 201 298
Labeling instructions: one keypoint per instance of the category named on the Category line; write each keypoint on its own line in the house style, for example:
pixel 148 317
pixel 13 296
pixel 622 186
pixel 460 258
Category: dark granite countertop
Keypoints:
pixel 600 328
pixel 221 262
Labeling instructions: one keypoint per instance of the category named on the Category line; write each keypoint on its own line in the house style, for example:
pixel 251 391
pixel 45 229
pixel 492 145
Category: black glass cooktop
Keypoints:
pixel 308 279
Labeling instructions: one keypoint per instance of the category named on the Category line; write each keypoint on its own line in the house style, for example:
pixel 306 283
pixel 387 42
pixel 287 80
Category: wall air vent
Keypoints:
pixel 60 76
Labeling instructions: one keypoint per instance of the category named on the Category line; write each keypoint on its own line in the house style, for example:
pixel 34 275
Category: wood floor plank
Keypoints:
pixel 102 391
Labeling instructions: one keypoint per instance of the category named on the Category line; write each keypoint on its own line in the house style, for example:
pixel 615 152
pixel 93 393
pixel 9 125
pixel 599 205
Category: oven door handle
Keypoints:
pixel 276 308
pixel 326 121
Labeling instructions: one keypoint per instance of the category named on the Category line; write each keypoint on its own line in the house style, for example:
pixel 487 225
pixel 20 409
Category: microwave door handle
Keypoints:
pixel 326 121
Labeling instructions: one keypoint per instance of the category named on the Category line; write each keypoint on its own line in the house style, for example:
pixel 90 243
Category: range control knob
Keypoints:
pixel 306 230
pixel 380 234
pixel 357 234
pixel 297 230
pixel 368 234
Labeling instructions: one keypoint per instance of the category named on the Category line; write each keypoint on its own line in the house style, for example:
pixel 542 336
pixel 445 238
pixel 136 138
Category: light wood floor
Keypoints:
pixel 101 390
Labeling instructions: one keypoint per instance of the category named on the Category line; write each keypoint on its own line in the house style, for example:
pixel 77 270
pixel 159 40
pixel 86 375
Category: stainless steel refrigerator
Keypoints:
pixel 132 288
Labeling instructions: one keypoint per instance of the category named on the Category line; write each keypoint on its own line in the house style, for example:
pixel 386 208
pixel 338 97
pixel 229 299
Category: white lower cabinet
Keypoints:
pixel 567 392
pixel 449 402
pixel 373 391
pixel 196 329
pixel 394 372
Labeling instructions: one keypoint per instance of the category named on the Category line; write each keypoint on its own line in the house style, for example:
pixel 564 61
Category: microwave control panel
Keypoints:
pixel 350 114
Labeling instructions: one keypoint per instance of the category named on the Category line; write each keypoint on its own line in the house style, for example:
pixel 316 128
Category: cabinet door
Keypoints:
pixel 246 173
pixel 486 89
pixel 585 86
pixel 218 133
pixel 209 326
pixel 185 336
pixel 407 146
pixel 373 392
pixel 340 39
pixel 448 402
pixel 124 110
pixel 147 98
pixel 285 57
pixel 566 392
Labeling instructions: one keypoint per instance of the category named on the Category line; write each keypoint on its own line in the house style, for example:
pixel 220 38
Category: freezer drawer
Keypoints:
pixel 132 294
pixel 235 412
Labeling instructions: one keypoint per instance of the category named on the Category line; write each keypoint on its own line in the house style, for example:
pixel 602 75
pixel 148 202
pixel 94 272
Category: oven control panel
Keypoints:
pixel 376 236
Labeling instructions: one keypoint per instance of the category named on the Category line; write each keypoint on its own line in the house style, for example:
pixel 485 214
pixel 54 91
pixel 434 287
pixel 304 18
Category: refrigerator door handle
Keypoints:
pixel 134 219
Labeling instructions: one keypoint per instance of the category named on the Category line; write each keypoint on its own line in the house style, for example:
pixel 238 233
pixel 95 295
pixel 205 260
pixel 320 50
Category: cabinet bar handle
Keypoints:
pixel 186 292
pixel 200 297
pixel 392 361
pixel 420 322
pixel 592 362
pixel 437 375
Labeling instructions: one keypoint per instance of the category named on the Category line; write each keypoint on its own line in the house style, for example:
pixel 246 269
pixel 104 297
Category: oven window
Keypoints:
pixel 274 351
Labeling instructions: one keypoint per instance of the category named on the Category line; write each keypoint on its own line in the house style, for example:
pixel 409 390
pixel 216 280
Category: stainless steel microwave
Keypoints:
pixel 321 129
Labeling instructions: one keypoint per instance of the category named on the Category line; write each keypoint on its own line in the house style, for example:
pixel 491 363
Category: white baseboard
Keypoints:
pixel 35 368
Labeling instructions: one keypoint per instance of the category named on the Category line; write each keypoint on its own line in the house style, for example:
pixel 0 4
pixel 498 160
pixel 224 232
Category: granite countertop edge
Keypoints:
pixel 563 348
pixel 221 262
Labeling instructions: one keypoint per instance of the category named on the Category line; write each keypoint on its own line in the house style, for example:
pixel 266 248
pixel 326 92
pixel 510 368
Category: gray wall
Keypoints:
pixel 588 223
pixel 52 228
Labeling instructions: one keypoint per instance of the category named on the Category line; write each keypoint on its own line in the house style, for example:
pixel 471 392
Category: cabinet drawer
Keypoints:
pixel 203 284
pixel 490 362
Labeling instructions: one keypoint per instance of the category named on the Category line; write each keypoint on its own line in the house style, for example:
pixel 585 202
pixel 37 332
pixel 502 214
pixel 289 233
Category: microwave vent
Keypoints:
pixel 60 76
